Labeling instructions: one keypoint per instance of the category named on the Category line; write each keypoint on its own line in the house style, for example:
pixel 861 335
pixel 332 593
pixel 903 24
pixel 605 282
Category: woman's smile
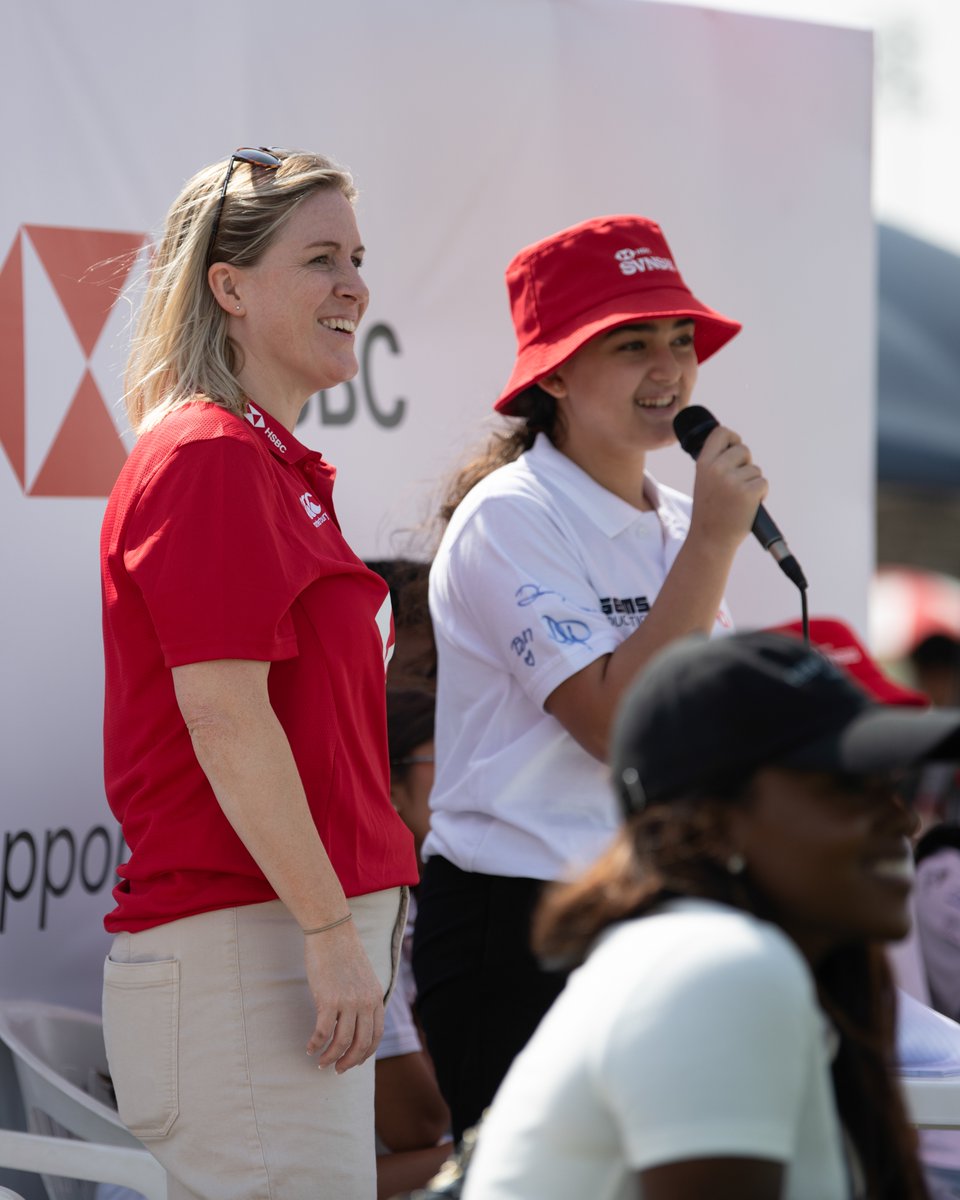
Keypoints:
pixel 831 853
pixel 896 868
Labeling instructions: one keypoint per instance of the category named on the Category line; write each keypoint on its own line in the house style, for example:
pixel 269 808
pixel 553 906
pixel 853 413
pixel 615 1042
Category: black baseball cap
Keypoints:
pixel 708 711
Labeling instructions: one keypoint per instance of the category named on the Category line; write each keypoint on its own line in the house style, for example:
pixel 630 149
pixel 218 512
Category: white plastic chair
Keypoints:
pixel 928 1049
pixel 61 1068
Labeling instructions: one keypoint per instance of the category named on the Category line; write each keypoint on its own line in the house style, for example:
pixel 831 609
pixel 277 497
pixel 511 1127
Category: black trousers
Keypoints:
pixel 480 992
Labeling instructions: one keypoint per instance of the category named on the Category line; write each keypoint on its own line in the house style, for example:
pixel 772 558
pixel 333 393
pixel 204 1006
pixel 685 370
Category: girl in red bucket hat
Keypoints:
pixel 564 567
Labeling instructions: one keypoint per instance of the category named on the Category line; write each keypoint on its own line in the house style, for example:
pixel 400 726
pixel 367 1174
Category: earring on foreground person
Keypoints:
pixel 730 1032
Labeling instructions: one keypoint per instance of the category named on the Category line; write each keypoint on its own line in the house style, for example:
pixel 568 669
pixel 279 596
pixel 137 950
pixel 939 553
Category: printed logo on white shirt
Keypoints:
pixel 625 611
pixel 313 509
pixel 637 261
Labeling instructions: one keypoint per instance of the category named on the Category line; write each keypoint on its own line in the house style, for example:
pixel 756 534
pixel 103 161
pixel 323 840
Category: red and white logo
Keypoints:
pixel 384 619
pixel 60 358
pixel 635 261
pixel 254 416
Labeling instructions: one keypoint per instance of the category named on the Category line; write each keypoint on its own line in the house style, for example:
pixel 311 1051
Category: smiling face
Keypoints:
pixel 299 306
pixel 831 855
pixel 620 392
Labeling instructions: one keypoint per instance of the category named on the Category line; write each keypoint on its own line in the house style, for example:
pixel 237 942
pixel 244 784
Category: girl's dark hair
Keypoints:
pixel 537 412
pixel 410 722
pixel 857 992
pixel 677 850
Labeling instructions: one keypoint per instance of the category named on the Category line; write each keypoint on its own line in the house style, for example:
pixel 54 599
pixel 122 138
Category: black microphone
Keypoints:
pixel 692 426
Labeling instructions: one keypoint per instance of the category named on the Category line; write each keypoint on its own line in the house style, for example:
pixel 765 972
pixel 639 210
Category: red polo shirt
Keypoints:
pixel 220 540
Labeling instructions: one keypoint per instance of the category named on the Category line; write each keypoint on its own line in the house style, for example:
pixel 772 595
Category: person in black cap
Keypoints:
pixel 731 1034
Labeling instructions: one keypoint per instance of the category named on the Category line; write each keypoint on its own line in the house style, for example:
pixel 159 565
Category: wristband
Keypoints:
pixel 332 925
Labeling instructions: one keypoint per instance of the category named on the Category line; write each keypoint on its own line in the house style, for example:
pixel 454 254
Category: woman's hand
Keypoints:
pixel 728 490
pixel 246 757
pixel 347 996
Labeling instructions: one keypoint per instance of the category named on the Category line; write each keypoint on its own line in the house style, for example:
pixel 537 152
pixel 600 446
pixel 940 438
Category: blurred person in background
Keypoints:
pixel 413 664
pixel 730 1032
pixel 936 905
pixel 935 665
pixel 935 661
pixel 412 1120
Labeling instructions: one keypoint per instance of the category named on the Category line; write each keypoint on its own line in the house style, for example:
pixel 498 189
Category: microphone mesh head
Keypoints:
pixel 693 426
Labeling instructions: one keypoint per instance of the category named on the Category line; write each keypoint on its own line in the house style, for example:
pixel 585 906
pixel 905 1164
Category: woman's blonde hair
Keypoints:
pixel 180 349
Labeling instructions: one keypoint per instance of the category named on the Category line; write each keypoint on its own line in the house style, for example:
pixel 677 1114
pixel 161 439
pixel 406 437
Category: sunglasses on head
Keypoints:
pixel 256 156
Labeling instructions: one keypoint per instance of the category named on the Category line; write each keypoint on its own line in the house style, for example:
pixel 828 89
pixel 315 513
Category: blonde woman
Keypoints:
pixel 245 737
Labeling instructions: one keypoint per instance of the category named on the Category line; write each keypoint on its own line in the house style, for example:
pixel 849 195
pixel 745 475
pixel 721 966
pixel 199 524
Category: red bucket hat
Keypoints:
pixel 590 278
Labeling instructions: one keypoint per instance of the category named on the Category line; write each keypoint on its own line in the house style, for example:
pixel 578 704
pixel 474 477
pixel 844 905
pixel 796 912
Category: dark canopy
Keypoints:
pixel 918 362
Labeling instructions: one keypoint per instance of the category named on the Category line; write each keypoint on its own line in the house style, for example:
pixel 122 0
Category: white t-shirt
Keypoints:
pixel 936 900
pixel 540 572
pixel 691 1033
pixel 937 905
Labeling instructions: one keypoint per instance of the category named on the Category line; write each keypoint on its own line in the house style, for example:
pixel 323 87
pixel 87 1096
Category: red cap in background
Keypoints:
pixel 841 645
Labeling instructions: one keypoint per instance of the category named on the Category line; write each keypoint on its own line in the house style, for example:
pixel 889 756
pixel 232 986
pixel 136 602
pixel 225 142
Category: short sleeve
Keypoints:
pixel 206 546
pixel 515 587
pixel 727 1050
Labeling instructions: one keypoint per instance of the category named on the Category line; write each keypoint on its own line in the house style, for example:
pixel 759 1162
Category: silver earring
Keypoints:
pixel 736 864
pixel 238 308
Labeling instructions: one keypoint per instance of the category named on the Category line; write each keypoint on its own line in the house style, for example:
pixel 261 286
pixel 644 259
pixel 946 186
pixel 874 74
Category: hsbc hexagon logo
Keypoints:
pixel 58 295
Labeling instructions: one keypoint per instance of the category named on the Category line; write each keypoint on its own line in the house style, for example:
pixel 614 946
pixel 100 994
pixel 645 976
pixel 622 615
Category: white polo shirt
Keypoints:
pixel 694 1032
pixel 540 572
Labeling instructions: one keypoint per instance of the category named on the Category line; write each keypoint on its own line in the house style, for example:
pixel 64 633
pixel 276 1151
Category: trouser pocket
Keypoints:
pixel 141 1007
pixel 396 941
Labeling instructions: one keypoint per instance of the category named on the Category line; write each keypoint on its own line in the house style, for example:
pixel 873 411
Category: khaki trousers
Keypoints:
pixel 206 1022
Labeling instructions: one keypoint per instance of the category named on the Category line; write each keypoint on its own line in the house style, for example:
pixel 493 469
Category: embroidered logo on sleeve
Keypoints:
pixel 313 509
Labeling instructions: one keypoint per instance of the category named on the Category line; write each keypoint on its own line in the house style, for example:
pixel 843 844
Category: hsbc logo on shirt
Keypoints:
pixel 313 509
pixel 254 416
pixel 62 346
pixel 256 419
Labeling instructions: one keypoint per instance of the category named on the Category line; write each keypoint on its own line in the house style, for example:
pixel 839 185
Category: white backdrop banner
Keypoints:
pixel 472 128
